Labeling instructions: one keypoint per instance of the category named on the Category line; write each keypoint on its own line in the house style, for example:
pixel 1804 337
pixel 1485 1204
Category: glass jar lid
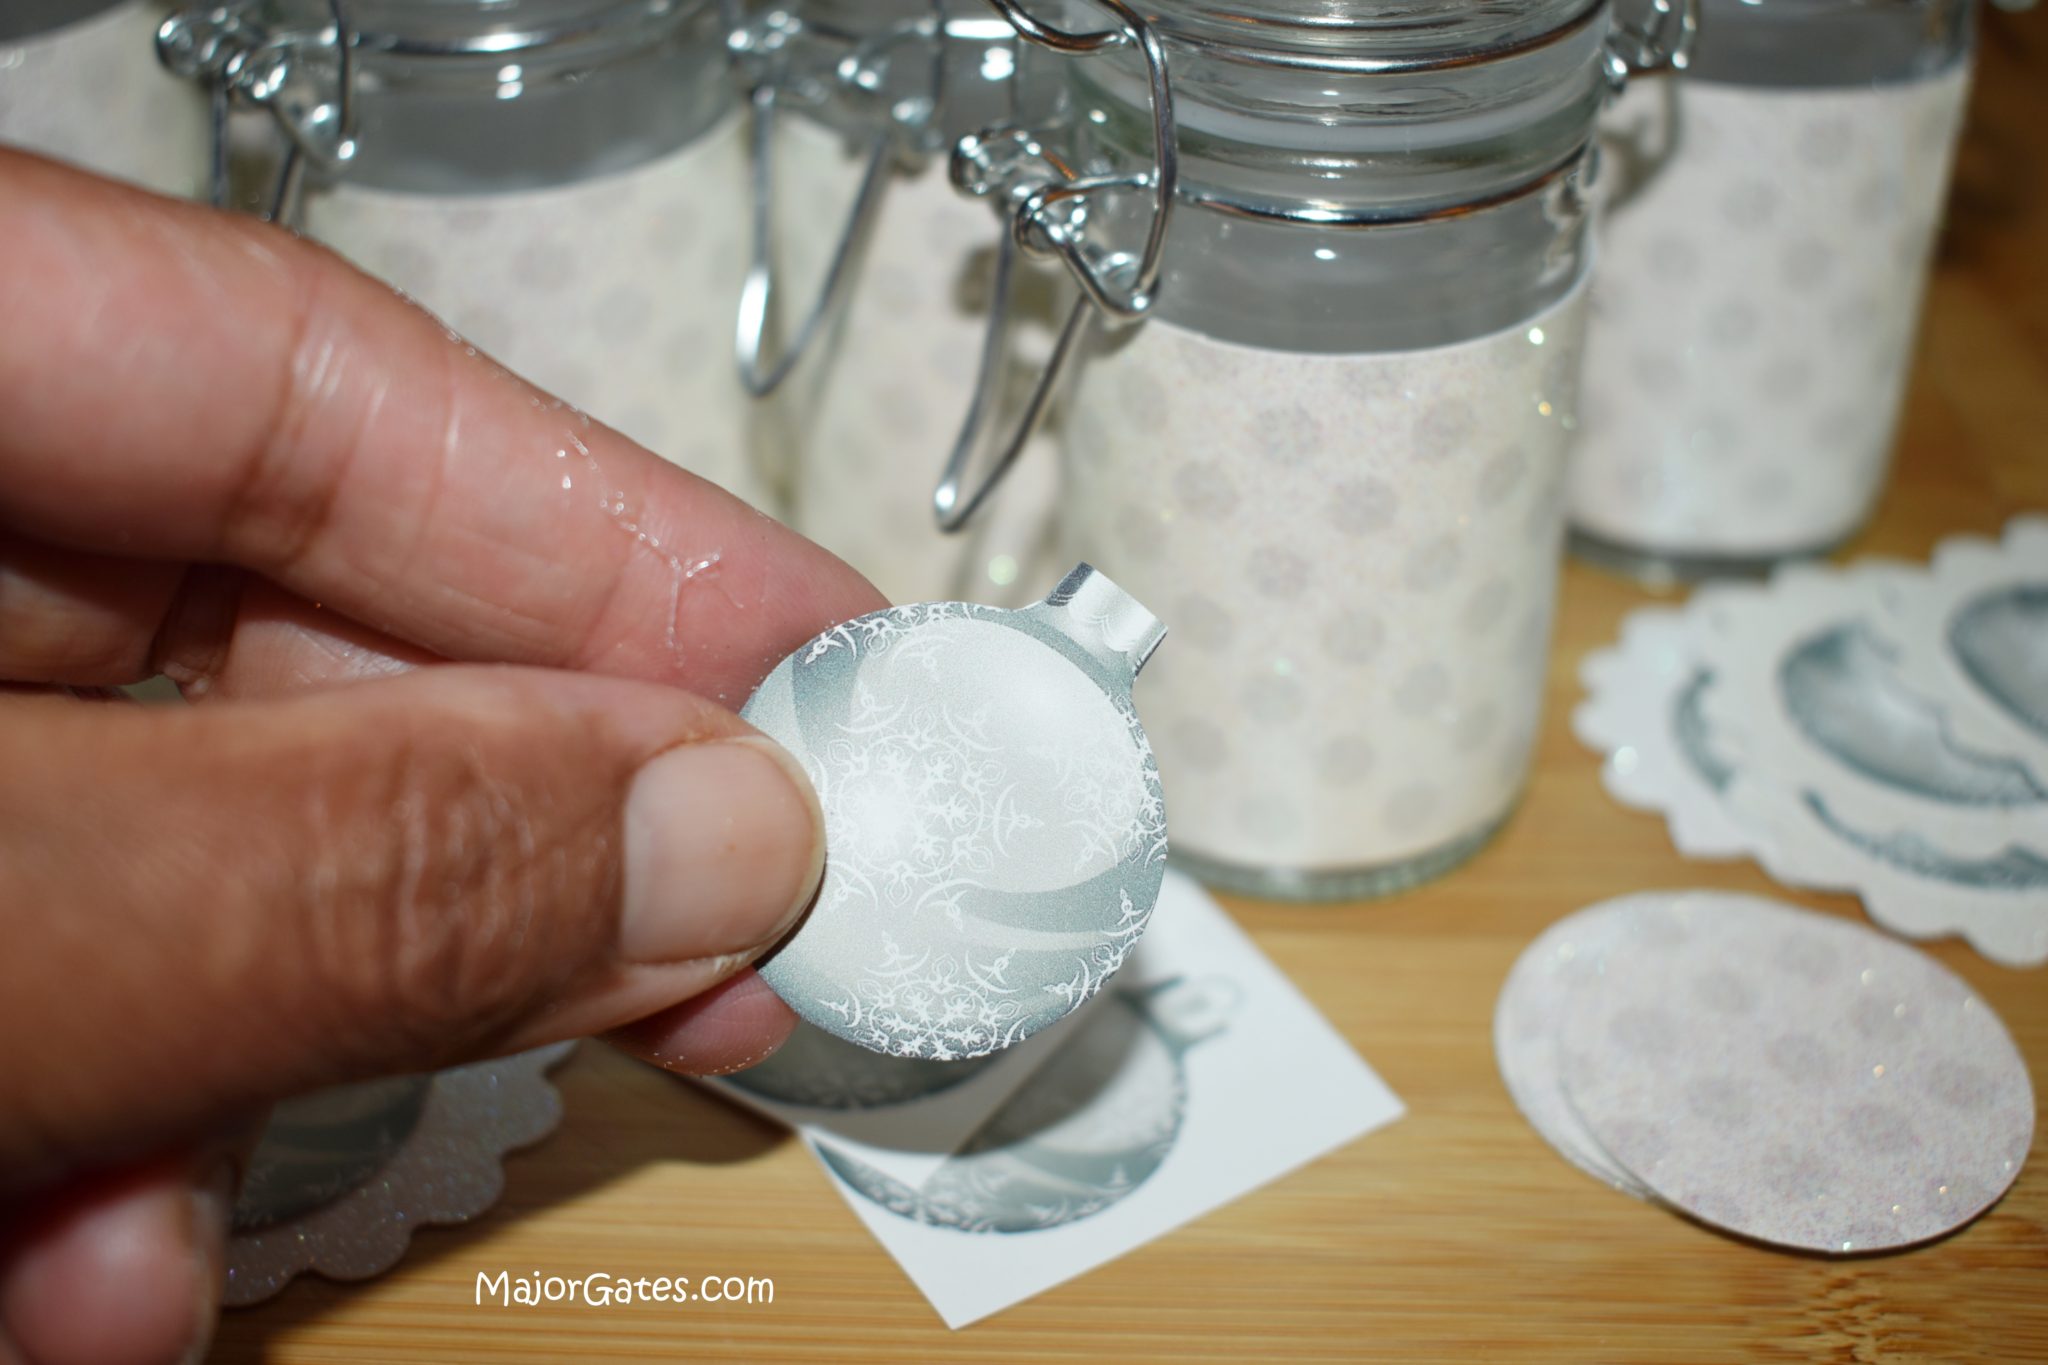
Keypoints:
pixel 457 28
pixel 1359 110
pixel 467 96
pixel 1346 33
pixel 1816 44
pixel 21 19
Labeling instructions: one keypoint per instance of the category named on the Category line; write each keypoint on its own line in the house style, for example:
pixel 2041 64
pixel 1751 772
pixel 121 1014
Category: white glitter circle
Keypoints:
pixel 1795 1078
pixel 1530 1015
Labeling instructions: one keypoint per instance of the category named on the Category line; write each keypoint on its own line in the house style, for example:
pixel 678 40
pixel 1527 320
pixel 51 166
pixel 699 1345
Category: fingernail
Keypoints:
pixel 213 1206
pixel 724 849
pixel 120 1271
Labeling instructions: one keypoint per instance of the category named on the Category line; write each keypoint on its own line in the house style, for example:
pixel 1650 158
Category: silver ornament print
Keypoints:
pixel 1082 1135
pixel 817 1070
pixel 995 831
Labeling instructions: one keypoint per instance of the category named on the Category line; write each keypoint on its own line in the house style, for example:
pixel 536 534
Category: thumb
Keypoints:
pixel 207 908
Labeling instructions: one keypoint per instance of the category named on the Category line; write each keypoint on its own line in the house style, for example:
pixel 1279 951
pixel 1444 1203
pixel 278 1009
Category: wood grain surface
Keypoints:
pixel 1456 1234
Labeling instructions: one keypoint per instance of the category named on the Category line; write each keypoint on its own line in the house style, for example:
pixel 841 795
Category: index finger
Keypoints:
pixel 181 384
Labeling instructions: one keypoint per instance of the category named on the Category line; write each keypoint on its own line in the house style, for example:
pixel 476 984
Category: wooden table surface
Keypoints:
pixel 1455 1234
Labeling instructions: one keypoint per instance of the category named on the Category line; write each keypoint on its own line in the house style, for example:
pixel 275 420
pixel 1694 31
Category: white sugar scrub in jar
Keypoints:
pixel 870 370
pixel 79 82
pixel 558 181
pixel 1763 255
pixel 1331 447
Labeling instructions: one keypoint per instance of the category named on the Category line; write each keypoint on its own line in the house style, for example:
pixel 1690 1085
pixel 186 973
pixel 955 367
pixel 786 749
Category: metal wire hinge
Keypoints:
pixel 1047 207
pixel 304 78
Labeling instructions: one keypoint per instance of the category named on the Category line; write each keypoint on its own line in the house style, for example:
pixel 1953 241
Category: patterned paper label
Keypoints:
pixel 93 94
pixel 1761 271
pixel 1358 557
pixel 616 294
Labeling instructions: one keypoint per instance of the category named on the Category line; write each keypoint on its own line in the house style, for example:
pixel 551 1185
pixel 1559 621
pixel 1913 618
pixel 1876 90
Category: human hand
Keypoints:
pixel 463 778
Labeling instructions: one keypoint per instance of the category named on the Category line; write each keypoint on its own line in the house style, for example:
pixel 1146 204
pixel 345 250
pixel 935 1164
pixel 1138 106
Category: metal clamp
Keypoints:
pixel 902 128
pixel 1048 216
pixel 1659 46
pixel 304 78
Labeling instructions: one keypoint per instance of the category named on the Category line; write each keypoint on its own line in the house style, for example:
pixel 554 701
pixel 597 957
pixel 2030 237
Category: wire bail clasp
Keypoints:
pixel 903 130
pixel 1047 207
pixel 1661 45
pixel 304 77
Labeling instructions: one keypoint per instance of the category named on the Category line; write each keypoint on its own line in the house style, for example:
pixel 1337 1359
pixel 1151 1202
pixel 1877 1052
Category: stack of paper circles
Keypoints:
pixel 1785 1076
pixel 1881 730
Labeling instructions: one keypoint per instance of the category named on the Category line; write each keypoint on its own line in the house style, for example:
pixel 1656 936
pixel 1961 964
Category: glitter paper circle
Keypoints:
pixel 1529 1017
pixel 1794 1078
pixel 995 832
pixel 446 1167
pixel 318 1147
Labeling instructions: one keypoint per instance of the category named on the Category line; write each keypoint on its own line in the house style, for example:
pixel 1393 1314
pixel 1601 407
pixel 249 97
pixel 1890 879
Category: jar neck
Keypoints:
pixel 1435 280
pixel 458 28
pixel 24 19
pixel 1396 177
pixel 1385 30
pixel 489 96
pixel 1405 118
pixel 1827 44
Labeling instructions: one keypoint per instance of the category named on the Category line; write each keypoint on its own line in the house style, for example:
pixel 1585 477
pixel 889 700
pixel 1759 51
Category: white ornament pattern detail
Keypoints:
pixel 1093 972
pixel 931 1006
pixel 880 630
pixel 994 819
pixel 940 783
pixel 945 773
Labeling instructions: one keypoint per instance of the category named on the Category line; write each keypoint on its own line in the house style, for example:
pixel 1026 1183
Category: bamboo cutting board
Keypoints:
pixel 1456 1234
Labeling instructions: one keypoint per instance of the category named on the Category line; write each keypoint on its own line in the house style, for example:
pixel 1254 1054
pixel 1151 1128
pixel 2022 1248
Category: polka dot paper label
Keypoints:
pixel 1358 557
pixel 1795 1078
pixel 1761 273
pixel 93 94
pixel 616 294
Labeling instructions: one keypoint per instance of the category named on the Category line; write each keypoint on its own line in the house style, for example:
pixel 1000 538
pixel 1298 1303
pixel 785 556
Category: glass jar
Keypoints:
pixel 1763 260
pixel 886 301
pixel 1333 448
pixel 557 179
pixel 79 82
